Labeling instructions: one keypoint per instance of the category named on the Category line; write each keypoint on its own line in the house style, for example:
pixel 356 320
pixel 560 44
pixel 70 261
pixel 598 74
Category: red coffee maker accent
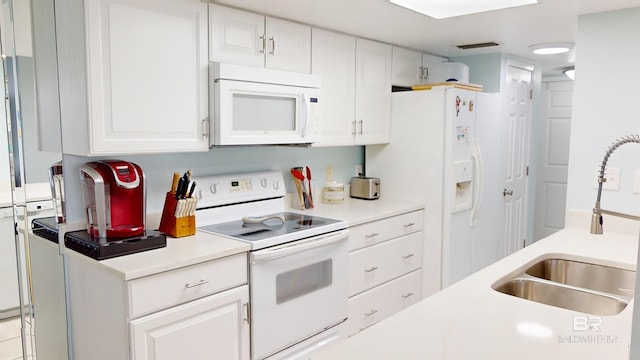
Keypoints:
pixel 114 198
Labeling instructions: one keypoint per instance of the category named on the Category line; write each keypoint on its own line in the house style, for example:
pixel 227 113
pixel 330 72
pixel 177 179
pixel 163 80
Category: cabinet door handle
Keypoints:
pixel 201 282
pixel 263 40
pixel 273 45
pixel 369 236
pixel 408 256
pixel 205 128
pixel 373 311
pixel 407 295
pixel 247 313
pixel 409 224
pixel 353 124
pixel 373 268
pixel 361 126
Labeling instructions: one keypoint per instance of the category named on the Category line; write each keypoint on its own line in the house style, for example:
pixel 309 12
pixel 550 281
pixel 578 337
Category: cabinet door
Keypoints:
pixel 406 67
pixel 373 92
pixel 288 46
pixel 147 75
pixel 214 327
pixel 334 59
pixel 236 37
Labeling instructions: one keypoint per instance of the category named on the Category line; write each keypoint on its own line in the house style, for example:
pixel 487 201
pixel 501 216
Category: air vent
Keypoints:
pixel 478 45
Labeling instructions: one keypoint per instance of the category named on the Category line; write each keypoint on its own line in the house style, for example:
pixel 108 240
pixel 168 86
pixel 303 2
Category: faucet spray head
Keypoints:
pixel 596 222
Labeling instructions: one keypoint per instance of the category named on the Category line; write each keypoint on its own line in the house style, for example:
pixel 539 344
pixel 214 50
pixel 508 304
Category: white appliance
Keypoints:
pixel 444 152
pixel 252 105
pixel 297 264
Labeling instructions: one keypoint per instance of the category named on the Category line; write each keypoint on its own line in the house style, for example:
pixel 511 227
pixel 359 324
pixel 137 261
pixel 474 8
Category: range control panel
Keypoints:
pixel 230 189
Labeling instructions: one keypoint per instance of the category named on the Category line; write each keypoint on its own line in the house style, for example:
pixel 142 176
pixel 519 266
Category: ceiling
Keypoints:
pixel 513 29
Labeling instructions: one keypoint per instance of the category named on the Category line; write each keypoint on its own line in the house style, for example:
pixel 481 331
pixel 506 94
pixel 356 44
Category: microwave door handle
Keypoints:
pixel 298 246
pixel 303 121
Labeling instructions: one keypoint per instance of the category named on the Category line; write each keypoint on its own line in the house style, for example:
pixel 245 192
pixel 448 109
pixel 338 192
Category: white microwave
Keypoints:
pixel 257 106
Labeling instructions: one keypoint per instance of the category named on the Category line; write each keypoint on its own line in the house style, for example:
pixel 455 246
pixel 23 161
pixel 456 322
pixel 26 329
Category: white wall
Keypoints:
pixel 606 98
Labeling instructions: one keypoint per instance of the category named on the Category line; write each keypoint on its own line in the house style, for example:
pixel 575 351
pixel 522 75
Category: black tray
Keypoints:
pixel 102 248
pixel 46 228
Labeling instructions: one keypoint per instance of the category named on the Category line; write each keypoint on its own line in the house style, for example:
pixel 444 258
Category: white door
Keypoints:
pixel 334 58
pixel 373 92
pixel 516 129
pixel 553 157
pixel 288 46
pixel 236 36
pixel 148 82
pixel 214 327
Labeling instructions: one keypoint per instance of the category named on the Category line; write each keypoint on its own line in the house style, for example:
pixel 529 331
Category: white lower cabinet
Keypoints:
pixel 206 328
pixel 385 268
pixel 200 311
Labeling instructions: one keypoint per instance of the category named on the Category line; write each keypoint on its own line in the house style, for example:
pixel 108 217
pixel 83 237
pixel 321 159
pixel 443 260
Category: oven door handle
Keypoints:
pixel 298 246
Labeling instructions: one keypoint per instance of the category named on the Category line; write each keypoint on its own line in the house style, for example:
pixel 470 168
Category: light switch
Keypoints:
pixel 636 182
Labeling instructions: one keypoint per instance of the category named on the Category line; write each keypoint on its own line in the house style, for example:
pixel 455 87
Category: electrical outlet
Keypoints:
pixel 612 177
pixel 329 173
pixel 359 170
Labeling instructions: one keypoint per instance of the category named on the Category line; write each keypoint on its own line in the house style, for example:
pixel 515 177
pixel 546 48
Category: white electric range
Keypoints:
pixel 297 264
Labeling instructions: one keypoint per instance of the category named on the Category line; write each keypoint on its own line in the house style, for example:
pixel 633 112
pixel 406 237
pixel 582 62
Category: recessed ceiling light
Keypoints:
pixel 570 72
pixel 440 9
pixel 551 48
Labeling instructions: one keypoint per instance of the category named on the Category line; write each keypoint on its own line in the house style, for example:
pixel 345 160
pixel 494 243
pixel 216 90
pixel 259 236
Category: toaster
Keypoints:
pixel 367 188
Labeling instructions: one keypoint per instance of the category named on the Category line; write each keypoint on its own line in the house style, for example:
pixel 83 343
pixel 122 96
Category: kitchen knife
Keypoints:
pixel 174 182
pixel 193 187
pixel 179 188
pixel 310 190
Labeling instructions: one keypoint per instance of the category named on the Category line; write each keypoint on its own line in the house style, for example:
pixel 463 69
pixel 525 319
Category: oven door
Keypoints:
pixel 297 290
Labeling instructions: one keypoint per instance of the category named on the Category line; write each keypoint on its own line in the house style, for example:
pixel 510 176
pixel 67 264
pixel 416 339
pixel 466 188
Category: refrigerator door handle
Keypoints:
pixel 476 155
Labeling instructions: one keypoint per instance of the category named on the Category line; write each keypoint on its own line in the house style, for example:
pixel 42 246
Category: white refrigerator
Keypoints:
pixel 445 153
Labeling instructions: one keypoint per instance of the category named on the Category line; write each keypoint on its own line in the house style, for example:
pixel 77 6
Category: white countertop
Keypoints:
pixel 470 320
pixel 203 246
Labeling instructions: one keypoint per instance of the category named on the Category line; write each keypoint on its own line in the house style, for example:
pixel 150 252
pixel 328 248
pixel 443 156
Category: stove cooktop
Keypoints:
pixel 274 231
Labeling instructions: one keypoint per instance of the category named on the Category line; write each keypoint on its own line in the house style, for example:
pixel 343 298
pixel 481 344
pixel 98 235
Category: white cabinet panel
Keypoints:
pixel 376 232
pixel 407 67
pixel 373 92
pixel 383 301
pixel 213 327
pixel 334 59
pixel 245 38
pixel 379 263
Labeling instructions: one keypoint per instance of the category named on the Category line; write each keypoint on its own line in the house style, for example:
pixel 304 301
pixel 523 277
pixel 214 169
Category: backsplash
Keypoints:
pixel 220 160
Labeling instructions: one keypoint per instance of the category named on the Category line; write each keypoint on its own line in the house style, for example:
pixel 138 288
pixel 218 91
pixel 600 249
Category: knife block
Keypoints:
pixel 173 226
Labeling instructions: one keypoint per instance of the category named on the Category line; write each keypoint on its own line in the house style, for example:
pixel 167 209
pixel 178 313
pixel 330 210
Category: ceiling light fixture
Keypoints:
pixel 551 48
pixel 440 9
pixel 570 72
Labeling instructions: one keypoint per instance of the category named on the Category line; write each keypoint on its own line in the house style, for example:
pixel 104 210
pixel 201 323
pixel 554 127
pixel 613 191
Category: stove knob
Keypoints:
pixel 276 185
pixel 263 182
pixel 214 188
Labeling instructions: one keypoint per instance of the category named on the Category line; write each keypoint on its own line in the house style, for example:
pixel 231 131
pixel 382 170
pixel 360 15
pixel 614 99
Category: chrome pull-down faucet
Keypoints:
pixel 596 216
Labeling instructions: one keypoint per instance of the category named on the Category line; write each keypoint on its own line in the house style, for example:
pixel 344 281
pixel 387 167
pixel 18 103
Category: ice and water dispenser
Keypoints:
pixel 463 186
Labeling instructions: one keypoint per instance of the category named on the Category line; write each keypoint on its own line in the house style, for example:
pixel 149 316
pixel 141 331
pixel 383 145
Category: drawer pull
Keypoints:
pixel 201 282
pixel 373 268
pixel 369 236
pixel 407 295
pixel 409 224
pixel 373 311
pixel 408 256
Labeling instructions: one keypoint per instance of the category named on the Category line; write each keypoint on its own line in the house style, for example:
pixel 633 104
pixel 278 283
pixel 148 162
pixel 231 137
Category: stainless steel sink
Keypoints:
pixel 564 297
pixel 585 275
pixel 574 285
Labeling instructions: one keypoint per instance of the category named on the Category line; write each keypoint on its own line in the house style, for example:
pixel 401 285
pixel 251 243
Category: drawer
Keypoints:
pixel 372 306
pixel 174 287
pixel 386 229
pixel 374 265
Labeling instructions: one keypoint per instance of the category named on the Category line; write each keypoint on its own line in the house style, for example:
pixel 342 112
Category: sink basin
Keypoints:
pixel 564 297
pixel 573 285
pixel 585 275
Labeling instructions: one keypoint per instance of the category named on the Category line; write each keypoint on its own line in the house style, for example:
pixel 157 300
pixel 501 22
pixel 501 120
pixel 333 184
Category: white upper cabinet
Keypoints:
pixel 373 92
pixel 412 67
pixel 132 76
pixel 408 69
pixel 334 59
pixel 245 38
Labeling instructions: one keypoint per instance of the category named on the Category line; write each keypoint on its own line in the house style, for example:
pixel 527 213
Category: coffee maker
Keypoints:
pixel 114 198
